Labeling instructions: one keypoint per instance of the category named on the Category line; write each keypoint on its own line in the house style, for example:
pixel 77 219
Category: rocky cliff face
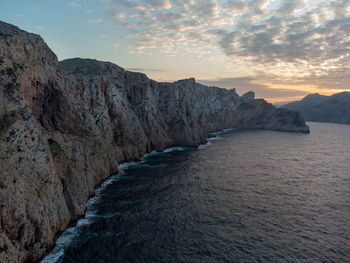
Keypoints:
pixel 316 107
pixel 62 132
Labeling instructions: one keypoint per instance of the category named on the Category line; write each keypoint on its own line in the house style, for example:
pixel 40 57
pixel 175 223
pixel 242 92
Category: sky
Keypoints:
pixel 280 49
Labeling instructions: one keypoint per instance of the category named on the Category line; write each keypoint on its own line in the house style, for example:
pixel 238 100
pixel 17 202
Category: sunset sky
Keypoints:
pixel 282 50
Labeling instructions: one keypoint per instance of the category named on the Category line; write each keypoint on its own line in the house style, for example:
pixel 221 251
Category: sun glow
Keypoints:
pixel 281 49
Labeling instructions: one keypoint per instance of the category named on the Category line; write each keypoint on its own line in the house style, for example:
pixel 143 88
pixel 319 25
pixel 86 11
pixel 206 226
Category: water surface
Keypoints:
pixel 247 196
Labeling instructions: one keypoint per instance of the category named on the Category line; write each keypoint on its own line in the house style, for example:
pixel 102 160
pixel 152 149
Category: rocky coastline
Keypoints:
pixel 65 127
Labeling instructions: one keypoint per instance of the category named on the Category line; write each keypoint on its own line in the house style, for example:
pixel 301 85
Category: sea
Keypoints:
pixel 245 196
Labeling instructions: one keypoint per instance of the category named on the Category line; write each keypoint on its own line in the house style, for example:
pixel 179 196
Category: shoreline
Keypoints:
pixel 212 136
pixel 71 122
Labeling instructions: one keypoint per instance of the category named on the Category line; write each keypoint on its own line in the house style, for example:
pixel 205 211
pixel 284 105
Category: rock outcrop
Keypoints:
pixel 64 127
pixel 316 107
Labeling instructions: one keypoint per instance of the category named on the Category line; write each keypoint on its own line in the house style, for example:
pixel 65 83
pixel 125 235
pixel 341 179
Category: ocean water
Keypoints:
pixel 246 196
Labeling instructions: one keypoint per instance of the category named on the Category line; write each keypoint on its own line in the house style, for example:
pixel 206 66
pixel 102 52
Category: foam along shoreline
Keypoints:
pixel 68 235
pixel 228 130
pixel 65 127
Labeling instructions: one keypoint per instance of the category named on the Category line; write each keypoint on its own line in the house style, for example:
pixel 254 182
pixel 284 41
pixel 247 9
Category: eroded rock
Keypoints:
pixel 62 132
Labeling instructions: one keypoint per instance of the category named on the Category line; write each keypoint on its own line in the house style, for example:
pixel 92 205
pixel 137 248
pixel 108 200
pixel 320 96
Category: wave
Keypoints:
pixel 127 165
pixel 201 146
pixel 167 150
pixel 174 149
pixel 62 242
pixel 154 152
pixel 228 130
pixel 53 257
pixel 216 138
pixel 68 235
pixel 90 217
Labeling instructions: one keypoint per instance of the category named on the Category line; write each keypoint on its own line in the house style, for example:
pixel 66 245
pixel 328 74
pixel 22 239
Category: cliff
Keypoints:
pixel 316 107
pixel 64 127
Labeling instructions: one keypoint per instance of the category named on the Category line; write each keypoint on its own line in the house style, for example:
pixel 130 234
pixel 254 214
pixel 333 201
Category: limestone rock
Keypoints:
pixel 250 95
pixel 64 127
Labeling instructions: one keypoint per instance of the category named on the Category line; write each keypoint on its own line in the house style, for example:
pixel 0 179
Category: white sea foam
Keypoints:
pixel 201 146
pixel 92 217
pixel 141 164
pixel 174 149
pixel 66 238
pixel 154 152
pixel 53 257
pixel 63 241
pixel 228 130
pixel 217 138
pixel 83 221
pixel 127 165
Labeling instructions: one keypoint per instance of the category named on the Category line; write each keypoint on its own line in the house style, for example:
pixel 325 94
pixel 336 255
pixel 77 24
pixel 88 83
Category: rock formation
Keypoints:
pixel 316 107
pixel 64 127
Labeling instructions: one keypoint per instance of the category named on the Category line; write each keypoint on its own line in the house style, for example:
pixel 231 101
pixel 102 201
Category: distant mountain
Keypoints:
pixel 65 127
pixel 316 107
pixel 281 104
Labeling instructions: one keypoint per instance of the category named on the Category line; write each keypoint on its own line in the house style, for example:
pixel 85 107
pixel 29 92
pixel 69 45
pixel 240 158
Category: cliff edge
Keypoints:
pixel 64 127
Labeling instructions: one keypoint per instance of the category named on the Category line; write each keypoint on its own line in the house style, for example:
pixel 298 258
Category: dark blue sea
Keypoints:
pixel 246 196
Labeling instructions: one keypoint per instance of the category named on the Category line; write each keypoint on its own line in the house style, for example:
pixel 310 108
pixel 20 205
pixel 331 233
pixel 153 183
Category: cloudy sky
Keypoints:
pixel 281 49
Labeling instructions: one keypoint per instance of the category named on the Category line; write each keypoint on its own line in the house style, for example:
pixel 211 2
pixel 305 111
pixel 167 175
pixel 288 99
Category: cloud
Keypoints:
pixel 73 4
pixel 118 16
pixel 245 84
pixel 291 39
pixel 234 6
pixel 158 4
